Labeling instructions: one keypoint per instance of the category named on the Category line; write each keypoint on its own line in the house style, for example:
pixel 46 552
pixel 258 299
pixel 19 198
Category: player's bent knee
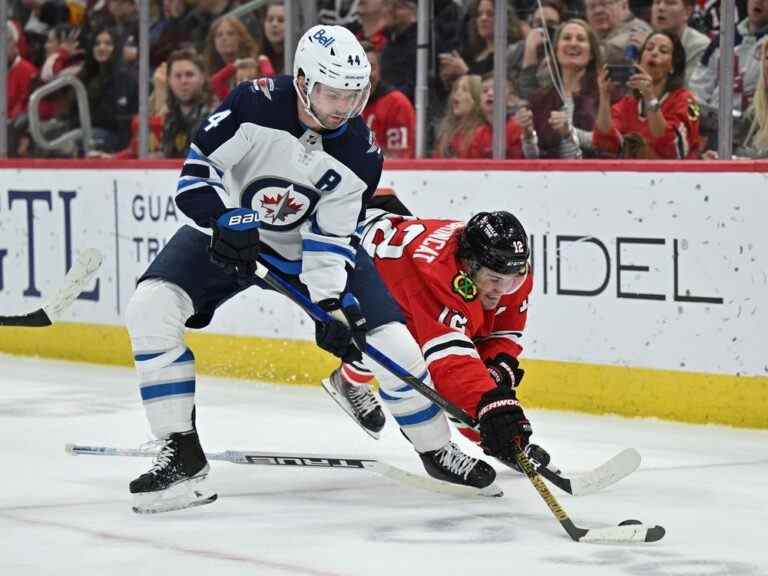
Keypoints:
pixel 156 314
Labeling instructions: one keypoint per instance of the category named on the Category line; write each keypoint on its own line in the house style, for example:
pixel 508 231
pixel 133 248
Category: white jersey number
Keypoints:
pixel 215 119
pixel 383 240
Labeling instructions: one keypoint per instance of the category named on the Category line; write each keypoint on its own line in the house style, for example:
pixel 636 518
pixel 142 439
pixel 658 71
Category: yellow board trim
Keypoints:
pixel 740 401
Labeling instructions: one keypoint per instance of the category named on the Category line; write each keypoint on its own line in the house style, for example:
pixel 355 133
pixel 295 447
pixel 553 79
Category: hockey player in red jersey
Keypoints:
pixel 464 291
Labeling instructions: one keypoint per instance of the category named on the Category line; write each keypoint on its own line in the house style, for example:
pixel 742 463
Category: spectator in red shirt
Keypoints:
pixel 273 30
pixel 229 41
pixel 482 141
pixel 21 74
pixel 19 82
pixel 661 114
pixel 389 113
pixel 462 118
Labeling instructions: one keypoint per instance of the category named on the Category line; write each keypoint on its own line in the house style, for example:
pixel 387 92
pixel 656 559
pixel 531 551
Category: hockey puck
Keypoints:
pixel 629 522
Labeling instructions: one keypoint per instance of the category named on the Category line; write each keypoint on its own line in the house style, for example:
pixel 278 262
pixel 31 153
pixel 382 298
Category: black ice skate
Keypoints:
pixel 450 464
pixel 356 400
pixel 174 480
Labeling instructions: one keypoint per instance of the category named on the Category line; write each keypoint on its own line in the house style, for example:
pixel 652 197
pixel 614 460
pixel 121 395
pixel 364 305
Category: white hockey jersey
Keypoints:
pixel 308 187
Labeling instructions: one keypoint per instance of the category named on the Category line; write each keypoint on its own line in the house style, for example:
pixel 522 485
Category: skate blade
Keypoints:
pixel 183 495
pixel 493 490
pixel 344 405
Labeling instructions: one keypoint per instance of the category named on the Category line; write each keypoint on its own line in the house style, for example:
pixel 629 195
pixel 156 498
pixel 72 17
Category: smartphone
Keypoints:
pixel 621 73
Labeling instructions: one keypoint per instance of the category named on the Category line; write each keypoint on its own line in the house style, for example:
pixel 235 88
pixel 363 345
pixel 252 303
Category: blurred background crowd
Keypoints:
pixel 586 78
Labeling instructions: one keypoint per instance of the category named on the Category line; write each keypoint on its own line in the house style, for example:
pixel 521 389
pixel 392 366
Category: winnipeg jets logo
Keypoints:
pixel 281 206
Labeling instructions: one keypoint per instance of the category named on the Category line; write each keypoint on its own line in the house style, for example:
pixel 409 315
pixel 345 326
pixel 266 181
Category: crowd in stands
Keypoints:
pixel 586 78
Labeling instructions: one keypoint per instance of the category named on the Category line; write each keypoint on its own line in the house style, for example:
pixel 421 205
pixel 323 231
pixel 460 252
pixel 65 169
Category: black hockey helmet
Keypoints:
pixel 496 240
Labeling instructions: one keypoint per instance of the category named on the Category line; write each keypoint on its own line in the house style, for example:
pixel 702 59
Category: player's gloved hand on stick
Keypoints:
pixel 344 335
pixel 502 423
pixel 235 240
pixel 503 368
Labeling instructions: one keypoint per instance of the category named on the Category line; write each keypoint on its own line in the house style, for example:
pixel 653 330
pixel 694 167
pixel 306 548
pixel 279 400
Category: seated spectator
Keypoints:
pixel 198 21
pixel 112 92
pixel 529 52
pixel 463 116
pixel 228 42
pixel 19 81
pixel 125 14
pixel 754 144
pixel 660 117
pixel 189 103
pixel 273 31
pixel 619 32
pixel 482 141
pixel 564 113
pixel 62 52
pixel 373 18
pixel 477 55
pixel 673 15
pixel 750 34
pixel 389 113
pixel 167 33
pixel 706 15
pixel 43 15
pixel 63 56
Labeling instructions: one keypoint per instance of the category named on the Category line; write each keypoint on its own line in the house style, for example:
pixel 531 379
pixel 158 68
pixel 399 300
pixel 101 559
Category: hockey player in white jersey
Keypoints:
pixel 280 172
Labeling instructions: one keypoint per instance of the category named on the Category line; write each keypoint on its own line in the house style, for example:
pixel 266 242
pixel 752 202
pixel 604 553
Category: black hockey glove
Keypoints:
pixel 503 368
pixel 344 335
pixel 502 423
pixel 235 241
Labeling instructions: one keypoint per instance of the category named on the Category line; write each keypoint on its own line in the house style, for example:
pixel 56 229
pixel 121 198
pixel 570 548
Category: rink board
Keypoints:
pixel 650 286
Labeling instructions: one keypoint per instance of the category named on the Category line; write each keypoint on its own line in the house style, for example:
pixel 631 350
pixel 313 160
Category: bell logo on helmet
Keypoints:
pixel 322 38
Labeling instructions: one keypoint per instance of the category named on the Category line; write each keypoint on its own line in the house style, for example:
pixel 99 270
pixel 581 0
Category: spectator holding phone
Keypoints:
pixel 660 112
pixel 564 113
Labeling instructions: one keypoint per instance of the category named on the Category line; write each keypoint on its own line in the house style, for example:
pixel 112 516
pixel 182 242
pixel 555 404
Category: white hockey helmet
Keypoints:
pixel 332 56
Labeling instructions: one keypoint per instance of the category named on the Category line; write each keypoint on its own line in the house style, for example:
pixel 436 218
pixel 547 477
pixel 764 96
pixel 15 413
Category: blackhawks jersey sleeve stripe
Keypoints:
pixel 507 335
pixel 450 344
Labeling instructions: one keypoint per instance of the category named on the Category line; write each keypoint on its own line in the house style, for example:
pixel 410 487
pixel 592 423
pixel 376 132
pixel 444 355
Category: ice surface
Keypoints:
pixel 62 514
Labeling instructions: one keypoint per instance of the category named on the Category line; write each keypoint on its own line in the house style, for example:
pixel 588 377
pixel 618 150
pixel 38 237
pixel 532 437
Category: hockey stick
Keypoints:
pixel 299 461
pixel 86 265
pixel 627 531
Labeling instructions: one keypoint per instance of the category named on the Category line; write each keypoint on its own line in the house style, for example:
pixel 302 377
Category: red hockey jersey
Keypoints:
pixel 391 117
pixel 417 260
pixel 681 139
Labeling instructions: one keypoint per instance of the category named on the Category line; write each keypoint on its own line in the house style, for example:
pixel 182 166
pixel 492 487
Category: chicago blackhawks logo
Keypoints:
pixel 464 286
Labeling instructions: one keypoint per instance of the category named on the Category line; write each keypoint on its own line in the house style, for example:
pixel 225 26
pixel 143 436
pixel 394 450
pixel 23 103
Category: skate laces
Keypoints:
pixel 452 458
pixel 362 399
pixel 359 395
pixel 164 456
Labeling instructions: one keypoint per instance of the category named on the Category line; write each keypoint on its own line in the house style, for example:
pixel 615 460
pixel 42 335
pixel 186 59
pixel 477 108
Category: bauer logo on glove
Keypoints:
pixel 235 240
